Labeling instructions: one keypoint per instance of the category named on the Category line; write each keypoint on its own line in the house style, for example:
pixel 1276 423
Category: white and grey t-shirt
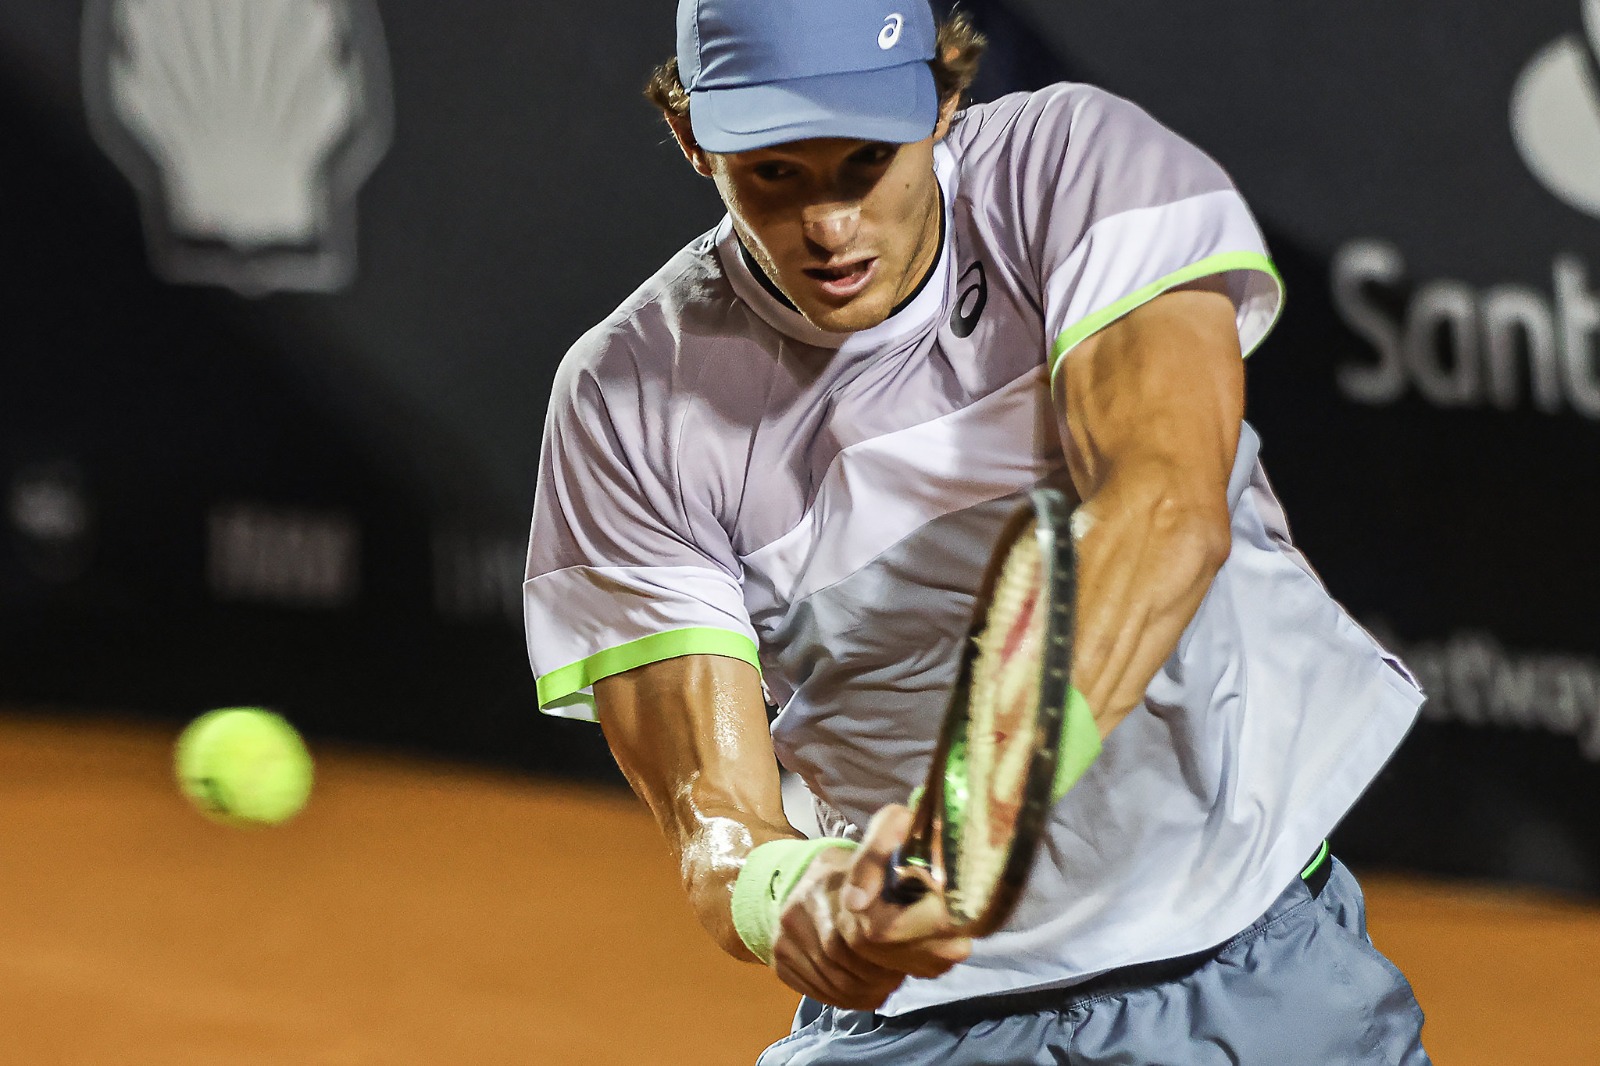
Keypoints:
pixel 721 477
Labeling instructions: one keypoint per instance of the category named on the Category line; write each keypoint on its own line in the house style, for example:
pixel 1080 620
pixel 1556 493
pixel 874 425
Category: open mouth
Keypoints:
pixel 845 280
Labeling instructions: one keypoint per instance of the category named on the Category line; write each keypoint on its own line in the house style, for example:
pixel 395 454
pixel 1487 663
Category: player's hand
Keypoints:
pixel 841 943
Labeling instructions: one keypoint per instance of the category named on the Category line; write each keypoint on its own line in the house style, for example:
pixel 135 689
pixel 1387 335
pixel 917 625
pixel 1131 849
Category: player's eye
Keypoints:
pixel 874 155
pixel 772 171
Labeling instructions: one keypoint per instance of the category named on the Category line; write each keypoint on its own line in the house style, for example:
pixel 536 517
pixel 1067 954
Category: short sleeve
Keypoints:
pixel 1118 209
pixel 615 578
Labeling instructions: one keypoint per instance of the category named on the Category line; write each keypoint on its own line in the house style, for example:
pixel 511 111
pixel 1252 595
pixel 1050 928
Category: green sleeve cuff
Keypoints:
pixel 1080 744
pixel 556 686
pixel 1222 263
pixel 770 873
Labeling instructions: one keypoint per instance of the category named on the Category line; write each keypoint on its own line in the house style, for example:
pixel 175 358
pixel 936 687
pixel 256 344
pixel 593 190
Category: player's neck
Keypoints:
pixel 761 275
pixel 932 259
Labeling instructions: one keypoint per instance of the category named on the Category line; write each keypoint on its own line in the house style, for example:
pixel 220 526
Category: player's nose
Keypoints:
pixel 833 226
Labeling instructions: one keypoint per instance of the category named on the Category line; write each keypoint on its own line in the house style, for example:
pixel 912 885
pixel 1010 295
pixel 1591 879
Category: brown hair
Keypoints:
pixel 957 50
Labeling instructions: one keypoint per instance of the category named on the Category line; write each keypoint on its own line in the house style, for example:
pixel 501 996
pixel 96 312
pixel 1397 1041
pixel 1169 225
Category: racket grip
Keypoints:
pixel 900 887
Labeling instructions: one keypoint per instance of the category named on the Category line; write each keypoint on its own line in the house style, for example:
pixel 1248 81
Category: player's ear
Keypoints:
pixel 683 132
pixel 947 114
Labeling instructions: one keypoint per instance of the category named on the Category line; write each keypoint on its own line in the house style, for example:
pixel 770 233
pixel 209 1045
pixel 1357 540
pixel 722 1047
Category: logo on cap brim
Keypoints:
pixel 889 36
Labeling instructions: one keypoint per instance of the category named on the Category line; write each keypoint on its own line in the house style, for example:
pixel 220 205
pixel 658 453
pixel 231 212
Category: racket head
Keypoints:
pixel 983 810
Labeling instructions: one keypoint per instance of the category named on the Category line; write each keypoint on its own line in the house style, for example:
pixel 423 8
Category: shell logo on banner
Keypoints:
pixel 247 127
pixel 1555 115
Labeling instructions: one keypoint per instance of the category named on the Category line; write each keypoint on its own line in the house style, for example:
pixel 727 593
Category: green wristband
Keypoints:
pixel 770 873
pixel 1080 744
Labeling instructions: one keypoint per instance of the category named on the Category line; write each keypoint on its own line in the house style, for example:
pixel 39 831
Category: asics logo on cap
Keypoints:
pixel 765 72
pixel 1555 115
pixel 890 34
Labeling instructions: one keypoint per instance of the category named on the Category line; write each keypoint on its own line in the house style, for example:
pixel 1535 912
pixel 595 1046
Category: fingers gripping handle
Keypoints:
pixel 905 881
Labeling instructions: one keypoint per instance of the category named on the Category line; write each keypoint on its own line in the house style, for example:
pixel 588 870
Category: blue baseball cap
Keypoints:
pixel 764 72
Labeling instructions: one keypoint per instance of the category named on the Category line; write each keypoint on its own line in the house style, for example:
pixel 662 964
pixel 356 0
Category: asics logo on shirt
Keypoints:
pixel 1555 115
pixel 889 36
pixel 970 299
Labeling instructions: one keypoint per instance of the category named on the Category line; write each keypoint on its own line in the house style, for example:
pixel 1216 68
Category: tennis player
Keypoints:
pixel 773 475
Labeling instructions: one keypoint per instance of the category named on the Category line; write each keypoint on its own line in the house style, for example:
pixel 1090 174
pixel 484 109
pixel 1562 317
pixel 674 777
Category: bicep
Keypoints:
pixel 1163 385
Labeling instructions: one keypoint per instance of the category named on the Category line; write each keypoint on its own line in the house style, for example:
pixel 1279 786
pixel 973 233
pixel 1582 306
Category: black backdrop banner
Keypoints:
pixel 315 495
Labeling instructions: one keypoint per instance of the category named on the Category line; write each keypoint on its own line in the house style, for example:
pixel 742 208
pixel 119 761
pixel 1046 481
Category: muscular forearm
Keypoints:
pixel 1148 553
pixel 710 857
pixel 1153 406
pixel 690 735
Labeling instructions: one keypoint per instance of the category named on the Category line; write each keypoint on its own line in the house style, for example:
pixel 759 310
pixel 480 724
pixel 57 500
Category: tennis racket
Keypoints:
pixel 979 817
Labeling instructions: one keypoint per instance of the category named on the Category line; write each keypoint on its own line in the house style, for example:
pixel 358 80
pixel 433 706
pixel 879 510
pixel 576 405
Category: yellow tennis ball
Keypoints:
pixel 243 766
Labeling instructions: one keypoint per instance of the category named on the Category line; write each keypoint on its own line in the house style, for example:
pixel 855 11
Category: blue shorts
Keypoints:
pixel 1302 986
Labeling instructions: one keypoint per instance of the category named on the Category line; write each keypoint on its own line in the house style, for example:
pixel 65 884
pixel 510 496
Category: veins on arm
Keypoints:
pixel 1152 405
pixel 690 735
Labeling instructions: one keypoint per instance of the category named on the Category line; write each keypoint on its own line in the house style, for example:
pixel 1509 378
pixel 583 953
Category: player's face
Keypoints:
pixel 845 228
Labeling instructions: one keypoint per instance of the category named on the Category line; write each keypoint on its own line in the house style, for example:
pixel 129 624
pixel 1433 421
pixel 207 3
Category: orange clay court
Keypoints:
pixel 423 913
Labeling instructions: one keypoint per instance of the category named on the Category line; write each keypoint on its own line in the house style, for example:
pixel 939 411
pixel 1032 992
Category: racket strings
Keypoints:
pixel 1004 693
